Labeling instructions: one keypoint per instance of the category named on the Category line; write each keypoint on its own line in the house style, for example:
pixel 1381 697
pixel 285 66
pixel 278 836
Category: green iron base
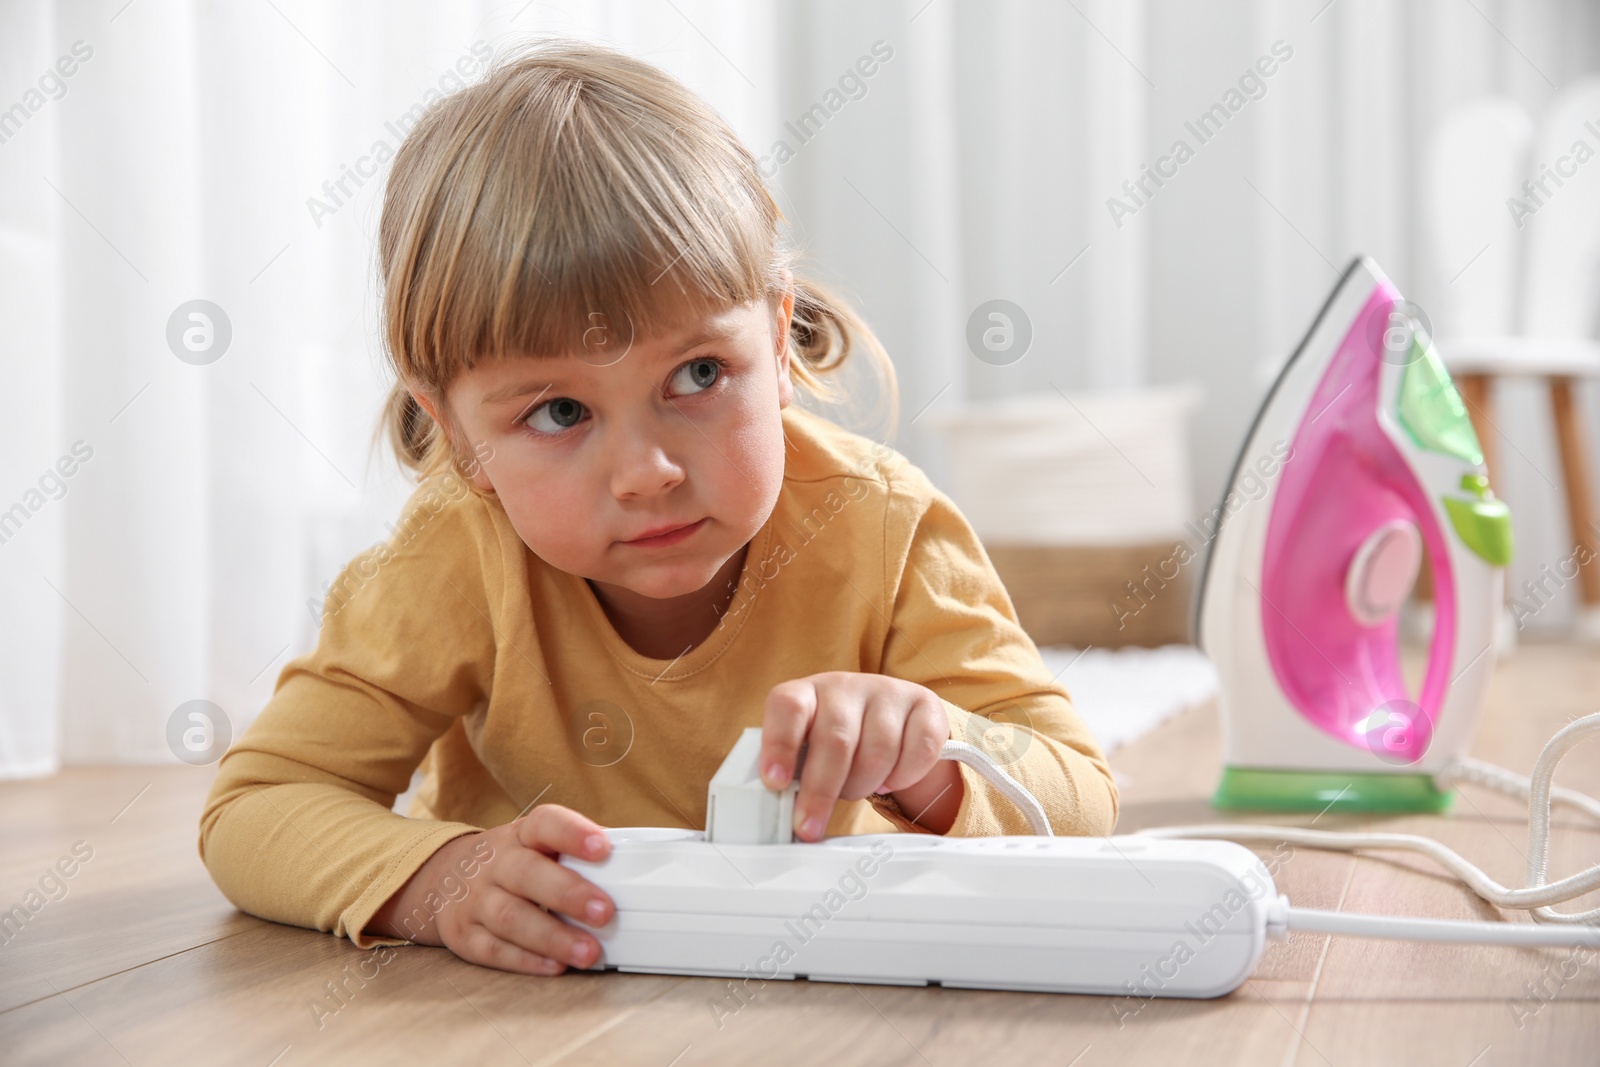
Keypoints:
pixel 1263 790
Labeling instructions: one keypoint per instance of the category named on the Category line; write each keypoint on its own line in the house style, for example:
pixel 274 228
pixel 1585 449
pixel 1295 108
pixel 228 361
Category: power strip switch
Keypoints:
pixel 740 809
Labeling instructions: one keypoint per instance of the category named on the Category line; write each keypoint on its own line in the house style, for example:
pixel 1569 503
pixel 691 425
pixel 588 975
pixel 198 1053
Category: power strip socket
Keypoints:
pixel 1116 916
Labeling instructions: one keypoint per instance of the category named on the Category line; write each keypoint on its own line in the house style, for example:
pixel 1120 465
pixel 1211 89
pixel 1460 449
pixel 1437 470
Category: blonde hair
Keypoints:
pixel 575 181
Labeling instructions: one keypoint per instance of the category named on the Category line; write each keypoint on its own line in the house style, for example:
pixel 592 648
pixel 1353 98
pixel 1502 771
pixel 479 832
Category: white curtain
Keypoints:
pixel 178 162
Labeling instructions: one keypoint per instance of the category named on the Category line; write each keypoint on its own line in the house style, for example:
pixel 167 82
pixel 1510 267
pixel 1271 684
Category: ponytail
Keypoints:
pixel 823 331
pixel 412 433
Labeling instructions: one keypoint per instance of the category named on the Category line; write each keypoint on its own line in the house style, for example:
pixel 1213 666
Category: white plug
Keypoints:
pixel 740 809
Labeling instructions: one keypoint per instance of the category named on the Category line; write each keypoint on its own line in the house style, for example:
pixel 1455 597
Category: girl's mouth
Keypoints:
pixel 664 536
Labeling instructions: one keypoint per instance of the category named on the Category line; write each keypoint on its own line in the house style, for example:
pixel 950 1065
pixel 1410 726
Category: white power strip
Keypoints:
pixel 1115 916
pixel 1172 912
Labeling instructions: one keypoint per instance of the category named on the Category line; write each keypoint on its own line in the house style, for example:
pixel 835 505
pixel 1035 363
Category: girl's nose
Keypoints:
pixel 644 468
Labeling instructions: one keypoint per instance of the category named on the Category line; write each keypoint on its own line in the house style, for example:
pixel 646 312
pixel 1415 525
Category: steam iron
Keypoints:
pixel 1361 462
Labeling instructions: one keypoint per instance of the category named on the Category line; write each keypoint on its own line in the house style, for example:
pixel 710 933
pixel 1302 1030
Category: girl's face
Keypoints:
pixel 645 466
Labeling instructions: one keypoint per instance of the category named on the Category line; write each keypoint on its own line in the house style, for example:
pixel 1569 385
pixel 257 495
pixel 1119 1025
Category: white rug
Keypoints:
pixel 1125 693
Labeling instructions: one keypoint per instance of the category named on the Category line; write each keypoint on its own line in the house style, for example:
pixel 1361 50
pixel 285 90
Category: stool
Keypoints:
pixel 1519 294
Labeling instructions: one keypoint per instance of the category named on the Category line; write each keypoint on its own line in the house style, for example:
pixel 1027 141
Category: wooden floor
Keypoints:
pixel 144 962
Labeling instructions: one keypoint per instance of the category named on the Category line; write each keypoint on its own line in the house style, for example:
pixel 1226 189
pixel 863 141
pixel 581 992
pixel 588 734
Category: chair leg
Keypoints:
pixel 1575 472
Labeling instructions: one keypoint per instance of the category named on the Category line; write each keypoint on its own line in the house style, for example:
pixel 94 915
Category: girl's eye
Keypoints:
pixel 695 376
pixel 556 415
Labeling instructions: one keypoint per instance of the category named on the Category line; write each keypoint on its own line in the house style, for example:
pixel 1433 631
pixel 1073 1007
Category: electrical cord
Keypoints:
pixel 1399 928
pixel 1014 791
pixel 1540 792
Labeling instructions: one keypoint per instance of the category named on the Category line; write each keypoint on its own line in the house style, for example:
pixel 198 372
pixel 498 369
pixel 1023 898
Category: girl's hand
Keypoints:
pixel 865 734
pixel 488 896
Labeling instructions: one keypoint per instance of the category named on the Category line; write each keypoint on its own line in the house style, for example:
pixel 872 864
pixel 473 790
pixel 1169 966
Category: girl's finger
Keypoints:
pixel 530 874
pixel 791 706
pixel 830 750
pixel 554 828
pixel 926 730
pixel 512 918
pixel 883 726
pixel 483 947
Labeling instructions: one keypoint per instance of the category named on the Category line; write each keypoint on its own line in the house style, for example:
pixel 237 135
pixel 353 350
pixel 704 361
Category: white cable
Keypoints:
pixel 1396 928
pixel 1487 775
pixel 1014 791
pixel 1541 783
pixel 1536 897
pixel 1480 883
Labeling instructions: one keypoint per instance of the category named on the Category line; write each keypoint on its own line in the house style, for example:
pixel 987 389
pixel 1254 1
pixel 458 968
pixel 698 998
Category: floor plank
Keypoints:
pixel 143 894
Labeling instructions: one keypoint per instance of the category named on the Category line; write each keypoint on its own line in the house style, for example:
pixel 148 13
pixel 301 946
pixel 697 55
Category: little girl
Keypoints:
pixel 629 543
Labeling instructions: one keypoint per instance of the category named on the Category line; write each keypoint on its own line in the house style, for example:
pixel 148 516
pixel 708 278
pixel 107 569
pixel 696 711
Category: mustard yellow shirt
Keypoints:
pixel 454 648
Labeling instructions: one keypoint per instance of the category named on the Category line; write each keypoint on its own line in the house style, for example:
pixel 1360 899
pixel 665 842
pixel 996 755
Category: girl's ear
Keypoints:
pixel 784 316
pixel 427 405
pixel 469 465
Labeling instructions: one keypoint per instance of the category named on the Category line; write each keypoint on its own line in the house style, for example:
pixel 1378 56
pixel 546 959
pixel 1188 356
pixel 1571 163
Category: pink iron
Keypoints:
pixel 1361 459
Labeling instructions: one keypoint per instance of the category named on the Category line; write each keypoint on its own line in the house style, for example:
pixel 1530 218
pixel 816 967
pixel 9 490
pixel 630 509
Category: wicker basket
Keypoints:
pixel 1082 500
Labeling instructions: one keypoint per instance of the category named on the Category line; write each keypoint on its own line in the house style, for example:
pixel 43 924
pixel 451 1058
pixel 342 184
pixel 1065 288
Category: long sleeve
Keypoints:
pixel 954 630
pixel 298 827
